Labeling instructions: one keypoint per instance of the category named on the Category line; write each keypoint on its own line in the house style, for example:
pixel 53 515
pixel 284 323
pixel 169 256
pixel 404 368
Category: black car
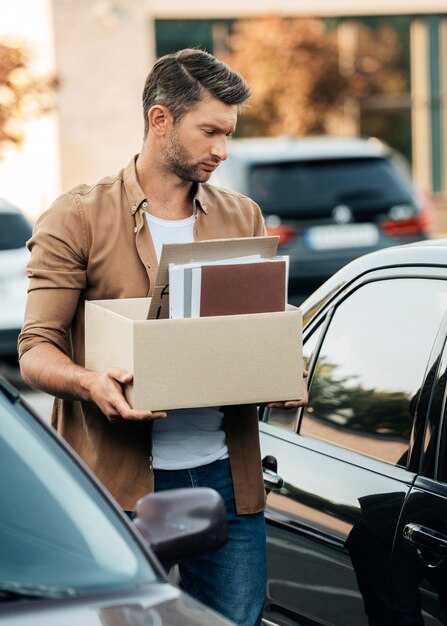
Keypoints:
pixel 330 200
pixel 68 555
pixel 357 533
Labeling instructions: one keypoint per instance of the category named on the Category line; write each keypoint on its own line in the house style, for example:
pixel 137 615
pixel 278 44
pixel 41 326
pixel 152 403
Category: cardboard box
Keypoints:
pixel 184 363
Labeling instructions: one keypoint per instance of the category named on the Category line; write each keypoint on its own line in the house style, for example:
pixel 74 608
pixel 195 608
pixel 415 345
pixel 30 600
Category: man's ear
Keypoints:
pixel 160 119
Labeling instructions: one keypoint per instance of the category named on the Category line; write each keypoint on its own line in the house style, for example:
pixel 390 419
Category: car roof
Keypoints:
pixel 427 252
pixel 261 149
pixel 431 252
pixel 7 207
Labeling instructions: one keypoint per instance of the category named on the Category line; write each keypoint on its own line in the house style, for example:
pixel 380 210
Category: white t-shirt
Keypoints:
pixel 170 231
pixel 186 437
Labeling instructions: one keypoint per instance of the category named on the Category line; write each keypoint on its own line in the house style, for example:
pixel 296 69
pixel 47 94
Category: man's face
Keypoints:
pixel 198 142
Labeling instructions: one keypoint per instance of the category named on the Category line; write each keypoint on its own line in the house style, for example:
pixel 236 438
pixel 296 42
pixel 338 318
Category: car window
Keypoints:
pixel 56 530
pixel 371 364
pixel 15 230
pixel 311 189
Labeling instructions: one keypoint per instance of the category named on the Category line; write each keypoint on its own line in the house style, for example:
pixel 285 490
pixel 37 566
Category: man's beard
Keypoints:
pixel 177 160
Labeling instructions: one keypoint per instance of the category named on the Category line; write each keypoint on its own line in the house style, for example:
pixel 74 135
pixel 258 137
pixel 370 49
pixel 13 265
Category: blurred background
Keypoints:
pixel 72 73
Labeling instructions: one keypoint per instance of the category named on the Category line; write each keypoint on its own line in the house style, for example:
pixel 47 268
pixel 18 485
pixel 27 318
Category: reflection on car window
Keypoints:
pixel 286 418
pixel 55 528
pixel 371 364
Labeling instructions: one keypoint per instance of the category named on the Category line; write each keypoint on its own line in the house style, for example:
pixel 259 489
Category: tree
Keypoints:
pixel 376 66
pixel 300 76
pixel 292 68
pixel 22 96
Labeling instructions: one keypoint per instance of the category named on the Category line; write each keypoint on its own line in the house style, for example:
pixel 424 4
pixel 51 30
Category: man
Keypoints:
pixel 103 242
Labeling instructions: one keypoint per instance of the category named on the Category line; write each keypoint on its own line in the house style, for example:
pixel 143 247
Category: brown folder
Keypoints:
pixel 243 288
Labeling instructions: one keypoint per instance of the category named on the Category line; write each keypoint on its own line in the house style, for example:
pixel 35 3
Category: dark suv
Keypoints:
pixel 357 533
pixel 329 199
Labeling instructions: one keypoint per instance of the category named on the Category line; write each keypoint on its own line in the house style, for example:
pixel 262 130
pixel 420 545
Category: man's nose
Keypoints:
pixel 219 149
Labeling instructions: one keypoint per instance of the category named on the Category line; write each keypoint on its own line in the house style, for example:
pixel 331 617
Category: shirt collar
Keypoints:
pixel 134 192
pixel 199 199
pixel 137 197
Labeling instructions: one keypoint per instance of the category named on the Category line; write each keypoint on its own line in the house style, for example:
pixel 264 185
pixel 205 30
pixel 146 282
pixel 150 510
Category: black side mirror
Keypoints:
pixel 181 524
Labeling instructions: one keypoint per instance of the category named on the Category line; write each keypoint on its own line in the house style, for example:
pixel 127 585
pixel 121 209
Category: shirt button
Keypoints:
pixel 135 230
pixel 144 204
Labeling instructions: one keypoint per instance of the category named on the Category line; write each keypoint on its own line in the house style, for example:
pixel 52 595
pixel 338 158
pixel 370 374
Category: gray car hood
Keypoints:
pixel 161 605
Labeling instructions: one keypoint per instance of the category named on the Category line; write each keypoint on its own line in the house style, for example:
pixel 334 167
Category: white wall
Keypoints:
pixel 104 51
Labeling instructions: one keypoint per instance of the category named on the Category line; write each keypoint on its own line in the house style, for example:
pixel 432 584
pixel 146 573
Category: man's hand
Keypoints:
pixel 292 404
pixel 107 393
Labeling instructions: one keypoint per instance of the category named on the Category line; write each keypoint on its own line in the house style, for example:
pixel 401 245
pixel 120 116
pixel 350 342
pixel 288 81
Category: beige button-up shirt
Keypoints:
pixel 94 243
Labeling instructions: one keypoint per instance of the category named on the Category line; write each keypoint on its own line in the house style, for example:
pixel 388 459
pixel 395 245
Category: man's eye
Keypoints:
pixel 209 132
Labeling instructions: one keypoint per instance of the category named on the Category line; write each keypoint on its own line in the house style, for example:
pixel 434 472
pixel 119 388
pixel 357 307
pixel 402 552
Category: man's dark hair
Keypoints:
pixel 180 80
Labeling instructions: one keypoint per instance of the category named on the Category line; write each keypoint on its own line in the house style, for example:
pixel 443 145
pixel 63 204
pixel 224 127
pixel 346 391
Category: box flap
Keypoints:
pixel 130 308
pixel 212 249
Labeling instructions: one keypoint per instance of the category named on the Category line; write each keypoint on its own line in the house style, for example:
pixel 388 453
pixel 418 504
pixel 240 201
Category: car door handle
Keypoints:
pixel 272 481
pixel 426 538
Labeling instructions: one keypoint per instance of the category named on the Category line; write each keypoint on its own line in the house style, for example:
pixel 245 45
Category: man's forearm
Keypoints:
pixel 46 368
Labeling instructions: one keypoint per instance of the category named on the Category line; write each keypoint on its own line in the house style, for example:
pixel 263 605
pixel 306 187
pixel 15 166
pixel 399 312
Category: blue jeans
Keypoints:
pixel 231 580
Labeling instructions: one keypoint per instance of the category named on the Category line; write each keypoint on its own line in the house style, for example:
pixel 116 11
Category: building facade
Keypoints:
pixel 103 50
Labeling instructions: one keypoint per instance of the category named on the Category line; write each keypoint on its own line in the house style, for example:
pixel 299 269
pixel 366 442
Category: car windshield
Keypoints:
pixel 15 230
pixel 311 188
pixel 57 533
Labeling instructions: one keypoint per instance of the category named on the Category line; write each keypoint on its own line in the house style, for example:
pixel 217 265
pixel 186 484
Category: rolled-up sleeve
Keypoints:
pixel 58 273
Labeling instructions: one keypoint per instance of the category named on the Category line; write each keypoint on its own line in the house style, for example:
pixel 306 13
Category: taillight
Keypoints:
pixel 412 226
pixel 419 224
pixel 286 233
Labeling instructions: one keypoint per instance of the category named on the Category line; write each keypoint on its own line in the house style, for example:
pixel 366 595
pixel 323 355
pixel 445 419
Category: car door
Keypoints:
pixel 345 460
pixel 419 563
